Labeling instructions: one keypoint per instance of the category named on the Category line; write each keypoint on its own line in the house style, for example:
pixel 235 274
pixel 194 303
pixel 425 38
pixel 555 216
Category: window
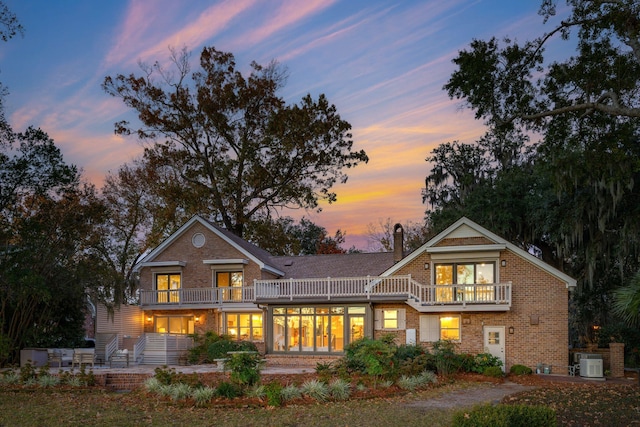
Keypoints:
pixel 316 329
pixel 434 328
pixel 245 326
pixel 390 318
pixel 229 279
pixel 174 325
pixel 478 276
pixel 167 285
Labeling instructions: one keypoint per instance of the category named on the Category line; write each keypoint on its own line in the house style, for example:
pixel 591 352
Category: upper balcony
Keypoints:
pixel 424 298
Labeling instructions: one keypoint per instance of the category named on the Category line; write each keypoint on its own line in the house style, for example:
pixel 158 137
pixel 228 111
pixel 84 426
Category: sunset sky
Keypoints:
pixel 382 63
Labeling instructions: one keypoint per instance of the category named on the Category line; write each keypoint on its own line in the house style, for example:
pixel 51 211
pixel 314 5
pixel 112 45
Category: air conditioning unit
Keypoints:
pixel 591 365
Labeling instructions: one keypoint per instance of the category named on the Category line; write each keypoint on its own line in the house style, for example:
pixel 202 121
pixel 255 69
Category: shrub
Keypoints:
pixel 180 391
pixel 493 371
pixel 165 375
pixel 152 385
pixel 48 381
pixel 372 357
pixel 273 392
pixel 427 377
pixel 408 351
pixel 520 370
pixel 74 381
pixel 228 390
pixel 505 416
pixel 202 395
pixel 257 391
pixel 315 389
pixel 10 377
pixel 408 383
pixel 290 392
pixel 339 389
pixel 483 361
pixel 446 360
pixel 417 364
pixel 245 368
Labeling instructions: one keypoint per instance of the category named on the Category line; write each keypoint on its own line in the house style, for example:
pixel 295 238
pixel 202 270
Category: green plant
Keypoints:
pixel 74 381
pixel 48 381
pixel 228 390
pixel 315 389
pixel 290 392
pixel 245 368
pixel 373 357
pixel 339 389
pixel 493 371
pixel 417 364
pixel 520 370
pixel 10 377
pixel 258 391
pixel 446 360
pixel 152 385
pixel 273 392
pixel 408 383
pixel 202 395
pixel 483 361
pixel 165 375
pixel 27 372
pixel 180 391
pixel 427 377
pixel 505 416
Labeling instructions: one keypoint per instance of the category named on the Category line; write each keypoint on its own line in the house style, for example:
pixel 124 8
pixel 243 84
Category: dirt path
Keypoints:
pixel 487 393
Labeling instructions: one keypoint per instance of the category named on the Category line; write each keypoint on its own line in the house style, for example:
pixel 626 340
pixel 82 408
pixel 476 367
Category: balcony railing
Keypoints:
pixel 332 288
pixel 191 296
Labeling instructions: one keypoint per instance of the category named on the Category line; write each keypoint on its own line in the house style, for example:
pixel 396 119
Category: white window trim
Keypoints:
pixel 430 330
pixel 379 319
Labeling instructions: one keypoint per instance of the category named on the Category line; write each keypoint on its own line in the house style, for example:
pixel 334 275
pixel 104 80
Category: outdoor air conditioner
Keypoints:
pixel 591 365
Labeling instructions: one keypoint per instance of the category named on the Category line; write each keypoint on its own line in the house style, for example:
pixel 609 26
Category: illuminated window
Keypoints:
pixel 434 328
pixel 182 325
pixel 167 285
pixel 229 279
pixel 479 278
pixel 245 326
pixel 390 318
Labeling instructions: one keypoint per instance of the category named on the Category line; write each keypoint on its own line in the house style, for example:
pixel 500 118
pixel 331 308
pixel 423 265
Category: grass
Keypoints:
pixel 575 405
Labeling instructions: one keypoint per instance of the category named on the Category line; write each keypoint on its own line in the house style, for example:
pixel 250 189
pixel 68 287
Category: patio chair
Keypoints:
pixel 83 356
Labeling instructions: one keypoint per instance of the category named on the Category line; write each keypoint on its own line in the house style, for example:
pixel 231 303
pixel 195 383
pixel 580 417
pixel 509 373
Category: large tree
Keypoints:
pixel 233 137
pixel 586 110
pixel 47 220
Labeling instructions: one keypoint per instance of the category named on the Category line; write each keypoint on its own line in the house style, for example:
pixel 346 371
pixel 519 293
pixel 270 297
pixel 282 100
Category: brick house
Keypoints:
pixel 466 284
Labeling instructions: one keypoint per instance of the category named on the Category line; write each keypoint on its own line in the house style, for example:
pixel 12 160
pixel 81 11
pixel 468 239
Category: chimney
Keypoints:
pixel 398 243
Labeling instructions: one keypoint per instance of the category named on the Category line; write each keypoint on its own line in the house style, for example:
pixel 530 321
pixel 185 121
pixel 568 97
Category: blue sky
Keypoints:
pixel 382 63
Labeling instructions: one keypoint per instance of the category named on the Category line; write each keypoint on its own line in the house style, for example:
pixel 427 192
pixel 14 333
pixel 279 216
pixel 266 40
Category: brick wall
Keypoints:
pixel 538 315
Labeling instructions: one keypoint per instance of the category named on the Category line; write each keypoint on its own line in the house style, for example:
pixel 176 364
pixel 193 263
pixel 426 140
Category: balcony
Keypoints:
pixel 196 297
pixel 424 298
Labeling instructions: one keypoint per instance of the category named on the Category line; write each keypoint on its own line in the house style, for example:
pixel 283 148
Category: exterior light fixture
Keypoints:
pixel 197 319
pixel 503 263
pixel 511 330
pixel 426 265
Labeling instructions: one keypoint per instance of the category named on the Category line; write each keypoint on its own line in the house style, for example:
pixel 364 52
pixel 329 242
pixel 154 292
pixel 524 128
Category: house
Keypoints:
pixel 466 284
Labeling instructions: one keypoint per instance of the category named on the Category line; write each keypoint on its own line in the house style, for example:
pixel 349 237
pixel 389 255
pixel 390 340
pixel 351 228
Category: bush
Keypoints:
pixel 228 390
pixel 245 368
pixel 520 370
pixel 446 360
pixel 483 361
pixel 203 395
pixel 316 390
pixel 505 416
pixel 211 346
pixel 372 357
pixel 290 392
pixel 493 371
pixel 273 392
pixel 339 389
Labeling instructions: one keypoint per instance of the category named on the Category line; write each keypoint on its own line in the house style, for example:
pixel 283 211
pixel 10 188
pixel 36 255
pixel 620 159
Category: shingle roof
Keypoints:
pixel 335 265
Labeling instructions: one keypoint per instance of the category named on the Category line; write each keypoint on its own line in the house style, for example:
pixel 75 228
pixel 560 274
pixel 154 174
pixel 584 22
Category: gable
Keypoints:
pixel 465 237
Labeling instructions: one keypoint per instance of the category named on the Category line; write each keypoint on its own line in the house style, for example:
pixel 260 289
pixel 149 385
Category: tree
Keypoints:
pixel 380 235
pixel 47 222
pixel 626 302
pixel 586 110
pixel 283 236
pixel 233 137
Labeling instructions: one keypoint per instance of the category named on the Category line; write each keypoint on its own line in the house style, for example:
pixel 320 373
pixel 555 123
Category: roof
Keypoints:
pixel 464 227
pixel 334 265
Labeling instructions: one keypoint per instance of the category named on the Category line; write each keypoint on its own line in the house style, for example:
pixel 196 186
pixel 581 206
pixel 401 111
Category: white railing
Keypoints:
pixel 402 286
pixel 138 349
pixel 188 296
pixel 331 287
pixel 110 347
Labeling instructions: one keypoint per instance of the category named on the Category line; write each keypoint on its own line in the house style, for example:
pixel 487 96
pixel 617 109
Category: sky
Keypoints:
pixel 382 63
